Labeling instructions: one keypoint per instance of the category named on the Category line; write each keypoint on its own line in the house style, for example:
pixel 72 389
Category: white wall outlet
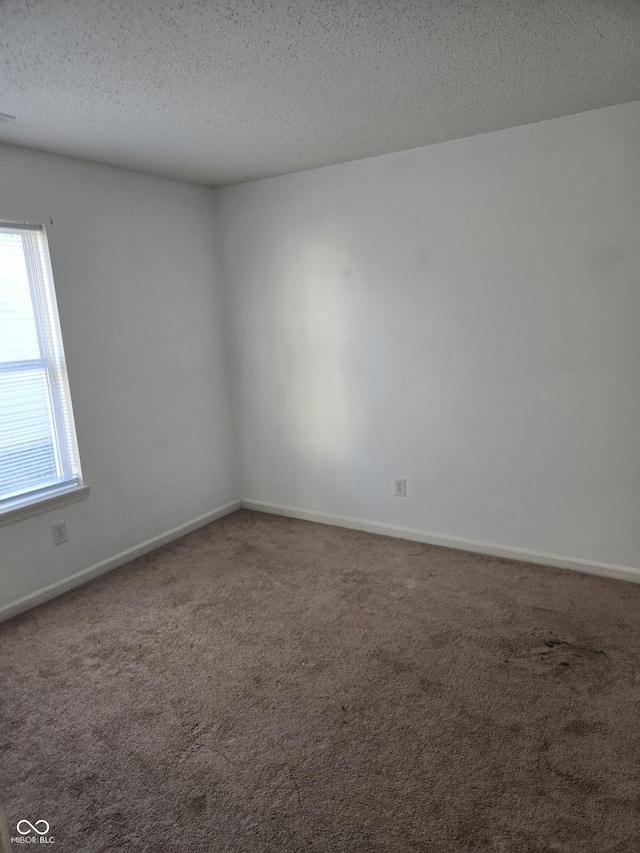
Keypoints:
pixel 59 533
pixel 401 488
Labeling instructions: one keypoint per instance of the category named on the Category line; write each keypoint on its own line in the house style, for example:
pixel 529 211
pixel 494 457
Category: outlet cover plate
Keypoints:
pixel 59 533
pixel 400 488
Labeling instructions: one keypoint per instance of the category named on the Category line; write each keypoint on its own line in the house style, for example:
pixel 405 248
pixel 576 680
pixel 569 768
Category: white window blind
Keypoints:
pixel 38 448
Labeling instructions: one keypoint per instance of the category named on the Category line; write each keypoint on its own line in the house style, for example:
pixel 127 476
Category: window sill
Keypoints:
pixel 43 504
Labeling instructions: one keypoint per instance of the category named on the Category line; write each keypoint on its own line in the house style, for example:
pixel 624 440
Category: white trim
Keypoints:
pixel 81 577
pixel 42 504
pixel 606 570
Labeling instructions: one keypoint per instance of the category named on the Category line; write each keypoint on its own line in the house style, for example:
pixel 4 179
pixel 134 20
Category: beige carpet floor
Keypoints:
pixel 266 684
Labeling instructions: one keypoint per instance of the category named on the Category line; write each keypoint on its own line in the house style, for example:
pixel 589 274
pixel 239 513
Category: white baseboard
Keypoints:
pixel 81 577
pixel 603 569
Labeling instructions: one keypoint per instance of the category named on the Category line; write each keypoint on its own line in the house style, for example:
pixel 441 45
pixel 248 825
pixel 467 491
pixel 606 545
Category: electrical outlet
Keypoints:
pixel 59 533
pixel 401 489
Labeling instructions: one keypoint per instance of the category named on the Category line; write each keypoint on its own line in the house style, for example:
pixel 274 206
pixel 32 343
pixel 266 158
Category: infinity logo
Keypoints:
pixel 32 827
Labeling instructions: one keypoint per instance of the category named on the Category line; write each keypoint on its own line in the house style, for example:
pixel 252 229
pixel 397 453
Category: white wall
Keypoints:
pixel 139 301
pixel 464 315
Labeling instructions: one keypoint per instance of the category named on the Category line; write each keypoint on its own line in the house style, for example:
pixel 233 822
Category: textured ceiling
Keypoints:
pixel 220 92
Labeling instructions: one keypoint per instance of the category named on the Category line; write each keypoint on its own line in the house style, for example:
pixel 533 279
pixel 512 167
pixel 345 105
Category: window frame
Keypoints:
pixel 68 485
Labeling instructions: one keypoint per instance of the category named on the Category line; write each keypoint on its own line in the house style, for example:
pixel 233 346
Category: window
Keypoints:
pixel 38 449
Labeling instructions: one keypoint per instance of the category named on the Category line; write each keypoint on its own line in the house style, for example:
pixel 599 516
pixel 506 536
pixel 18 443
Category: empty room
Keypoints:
pixel 320 426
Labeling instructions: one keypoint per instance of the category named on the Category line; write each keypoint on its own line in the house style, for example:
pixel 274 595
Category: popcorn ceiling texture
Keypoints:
pixel 221 92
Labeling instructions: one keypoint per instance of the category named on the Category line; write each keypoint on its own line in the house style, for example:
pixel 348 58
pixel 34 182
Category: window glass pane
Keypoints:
pixel 38 448
pixel 18 335
pixel 27 452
